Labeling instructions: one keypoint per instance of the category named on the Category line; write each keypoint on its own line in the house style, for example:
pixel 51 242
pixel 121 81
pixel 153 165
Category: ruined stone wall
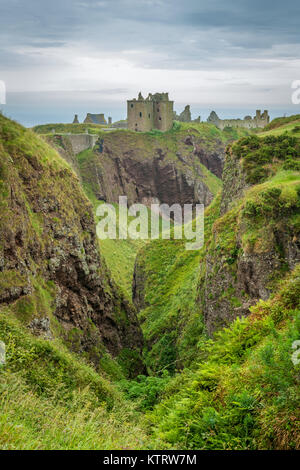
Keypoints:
pixel 140 115
pixel 185 115
pixel 120 124
pixel 245 123
pixel 163 115
pixel 259 120
pixel 80 142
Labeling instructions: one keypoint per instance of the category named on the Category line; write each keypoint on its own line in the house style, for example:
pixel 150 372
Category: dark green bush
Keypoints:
pixel 146 390
pixel 259 153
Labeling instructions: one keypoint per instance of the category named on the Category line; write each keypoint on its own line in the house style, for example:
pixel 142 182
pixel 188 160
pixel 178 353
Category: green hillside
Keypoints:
pixel 50 399
pixel 239 388
pixel 219 323
pixel 58 385
pixel 281 123
pixel 243 393
pixel 169 313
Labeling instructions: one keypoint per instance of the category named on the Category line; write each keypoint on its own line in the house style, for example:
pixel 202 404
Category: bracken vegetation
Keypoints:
pixel 219 323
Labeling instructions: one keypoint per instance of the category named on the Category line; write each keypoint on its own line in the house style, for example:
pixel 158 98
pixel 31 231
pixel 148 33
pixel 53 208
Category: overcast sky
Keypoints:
pixel 60 57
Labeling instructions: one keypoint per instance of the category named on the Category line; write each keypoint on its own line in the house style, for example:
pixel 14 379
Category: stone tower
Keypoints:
pixel 154 112
pixel 76 119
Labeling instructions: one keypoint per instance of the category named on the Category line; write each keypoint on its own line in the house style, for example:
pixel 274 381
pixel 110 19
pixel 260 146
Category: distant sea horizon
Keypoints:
pixel 31 109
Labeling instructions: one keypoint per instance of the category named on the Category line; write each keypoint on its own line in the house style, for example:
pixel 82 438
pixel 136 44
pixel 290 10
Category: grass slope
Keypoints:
pixel 244 393
pixel 52 400
pixel 171 321
pixel 242 389
pixel 281 122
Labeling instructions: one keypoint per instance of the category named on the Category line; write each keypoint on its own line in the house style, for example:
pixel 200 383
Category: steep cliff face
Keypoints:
pixel 63 145
pixel 51 273
pixel 256 239
pixel 180 166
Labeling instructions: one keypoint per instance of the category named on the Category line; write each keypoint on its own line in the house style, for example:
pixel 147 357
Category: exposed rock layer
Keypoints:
pixel 238 276
pixel 148 167
pixel 48 234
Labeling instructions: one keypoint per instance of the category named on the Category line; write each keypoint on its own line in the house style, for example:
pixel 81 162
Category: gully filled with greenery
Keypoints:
pixel 141 344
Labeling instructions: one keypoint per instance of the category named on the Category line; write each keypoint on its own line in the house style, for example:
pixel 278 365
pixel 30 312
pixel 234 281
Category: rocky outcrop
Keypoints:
pixel 138 284
pixel 248 253
pixel 252 241
pixel 234 181
pixel 149 180
pixel 48 242
pixel 212 160
pixel 230 290
pixel 145 168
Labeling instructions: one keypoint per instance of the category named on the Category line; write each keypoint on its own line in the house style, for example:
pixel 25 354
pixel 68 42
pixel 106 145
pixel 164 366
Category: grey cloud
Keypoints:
pixel 148 21
pixel 206 35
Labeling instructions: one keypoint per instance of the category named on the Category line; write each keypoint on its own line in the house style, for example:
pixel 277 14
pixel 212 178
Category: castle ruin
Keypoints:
pixel 95 119
pixel 259 120
pixel 186 115
pixel 154 112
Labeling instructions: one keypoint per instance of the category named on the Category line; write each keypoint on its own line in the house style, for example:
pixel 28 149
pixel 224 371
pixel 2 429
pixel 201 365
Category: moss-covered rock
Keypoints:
pixel 48 235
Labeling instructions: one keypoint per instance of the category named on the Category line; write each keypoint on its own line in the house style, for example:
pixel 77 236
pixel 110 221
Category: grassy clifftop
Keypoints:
pixel 283 124
pixel 57 128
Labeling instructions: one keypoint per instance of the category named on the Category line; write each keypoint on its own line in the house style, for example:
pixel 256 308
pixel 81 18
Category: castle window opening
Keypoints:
pixel 159 118
pixel 140 114
pixel 149 115
pixel 131 105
